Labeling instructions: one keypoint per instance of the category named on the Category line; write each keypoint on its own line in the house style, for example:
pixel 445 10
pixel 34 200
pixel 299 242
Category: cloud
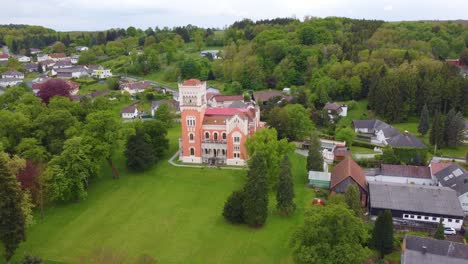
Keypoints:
pixel 104 14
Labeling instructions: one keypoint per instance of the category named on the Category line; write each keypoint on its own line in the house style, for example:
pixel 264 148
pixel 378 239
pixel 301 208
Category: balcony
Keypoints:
pixel 213 141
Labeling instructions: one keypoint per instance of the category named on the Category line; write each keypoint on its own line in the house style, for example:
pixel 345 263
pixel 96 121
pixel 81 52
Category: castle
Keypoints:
pixel 214 134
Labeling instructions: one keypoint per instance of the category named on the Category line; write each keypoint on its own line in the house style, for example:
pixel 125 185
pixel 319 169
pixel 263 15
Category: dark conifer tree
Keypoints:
pixel 233 208
pixel 139 153
pixel 256 192
pixel 439 234
pixel 12 218
pixel 436 136
pixel 423 126
pixel 382 236
pixel 285 190
pixel 315 158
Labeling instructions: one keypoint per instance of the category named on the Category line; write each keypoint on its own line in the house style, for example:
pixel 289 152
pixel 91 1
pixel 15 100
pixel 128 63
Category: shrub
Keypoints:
pixel 233 208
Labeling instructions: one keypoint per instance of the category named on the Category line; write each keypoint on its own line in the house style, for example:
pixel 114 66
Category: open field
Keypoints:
pixel 169 213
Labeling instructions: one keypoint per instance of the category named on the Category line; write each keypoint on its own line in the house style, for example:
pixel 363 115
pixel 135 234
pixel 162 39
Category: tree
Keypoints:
pixel 112 84
pixel 454 126
pixel 54 87
pixel 346 134
pixel 138 152
pixel 58 47
pixel 382 236
pixel 273 150
pixel 87 57
pixel 67 175
pixel 423 125
pixel 164 113
pixel 101 131
pixel 233 210
pixel 389 156
pixel 256 192
pixel 439 234
pixel 12 218
pixel 330 234
pixel 315 157
pixel 353 199
pixel 436 136
pixel 285 189
pixel 156 135
pixel 198 39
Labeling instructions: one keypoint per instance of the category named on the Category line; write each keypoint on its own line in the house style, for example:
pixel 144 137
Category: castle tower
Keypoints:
pixel 192 107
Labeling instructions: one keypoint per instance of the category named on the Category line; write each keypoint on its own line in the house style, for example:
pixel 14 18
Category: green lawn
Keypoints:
pixel 172 214
pixel 361 150
pixel 89 88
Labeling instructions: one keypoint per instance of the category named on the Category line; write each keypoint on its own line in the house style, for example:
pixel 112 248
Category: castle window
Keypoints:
pixel 224 136
pixel 191 136
pixel 215 136
pixel 236 139
pixel 207 135
pixel 192 151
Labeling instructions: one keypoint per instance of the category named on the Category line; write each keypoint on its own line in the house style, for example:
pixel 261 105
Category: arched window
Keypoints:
pixel 191 136
pixel 207 135
pixel 192 151
pixel 215 136
pixel 224 136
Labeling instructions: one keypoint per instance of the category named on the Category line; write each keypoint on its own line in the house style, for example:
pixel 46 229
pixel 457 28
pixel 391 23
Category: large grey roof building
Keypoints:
pixel 423 250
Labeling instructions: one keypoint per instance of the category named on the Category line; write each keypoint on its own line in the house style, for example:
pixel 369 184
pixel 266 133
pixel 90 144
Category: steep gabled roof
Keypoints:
pixel 129 109
pixel 438 166
pixel 405 140
pixel 454 177
pixel 332 106
pixel 348 168
pixel 425 250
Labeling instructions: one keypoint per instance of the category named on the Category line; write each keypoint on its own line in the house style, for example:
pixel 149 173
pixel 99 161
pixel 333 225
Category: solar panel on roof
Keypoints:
pixel 457 172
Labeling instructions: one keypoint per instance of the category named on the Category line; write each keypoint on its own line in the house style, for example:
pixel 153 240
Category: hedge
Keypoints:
pixel 364 144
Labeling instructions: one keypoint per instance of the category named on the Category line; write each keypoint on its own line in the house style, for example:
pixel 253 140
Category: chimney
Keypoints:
pixel 424 249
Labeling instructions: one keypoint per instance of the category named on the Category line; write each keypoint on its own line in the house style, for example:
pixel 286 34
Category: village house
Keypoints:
pixel 331 150
pixel 407 174
pixel 22 58
pixel 346 173
pixel 130 112
pixel 71 72
pixel 62 64
pixel 31 67
pixel 47 64
pixel 263 97
pixel 418 204
pixel 171 102
pixel 58 56
pixel 4 57
pixel 81 48
pixel 212 90
pixel 97 71
pixel 224 100
pixel 460 65
pixel 427 250
pixel 74 59
pixel 319 179
pixel 34 51
pixel 42 57
pixel 380 133
pixel 40 84
pixel 9 82
pixel 454 177
pixel 13 74
pixel 134 87
pixel 210 53
pixel 335 110
pixel 214 135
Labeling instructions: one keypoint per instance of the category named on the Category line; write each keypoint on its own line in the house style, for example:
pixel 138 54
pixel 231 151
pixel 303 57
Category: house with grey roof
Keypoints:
pixel 416 204
pixel 172 103
pixel 456 178
pixel 335 110
pixel 12 74
pixel 381 133
pixel 426 250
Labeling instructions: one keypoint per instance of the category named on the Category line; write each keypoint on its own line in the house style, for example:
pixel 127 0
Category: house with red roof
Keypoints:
pixel 346 173
pixel 4 57
pixel 214 135
pixel 58 56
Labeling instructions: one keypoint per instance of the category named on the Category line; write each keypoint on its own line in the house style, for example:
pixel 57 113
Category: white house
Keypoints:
pixel 81 48
pixel 9 82
pixel 42 57
pixel 455 177
pixel 130 112
pixel 134 87
pixel 34 51
pixel 420 175
pixel 22 58
pixel 99 72
pixel 224 100
pixel 74 59
pixel 58 56
pixel 13 74
pixel 71 72
pixel 335 110
pixel 4 57
pixel 213 53
pixel 61 64
pixel 287 90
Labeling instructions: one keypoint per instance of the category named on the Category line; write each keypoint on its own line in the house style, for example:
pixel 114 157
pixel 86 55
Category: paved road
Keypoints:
pixel 448 159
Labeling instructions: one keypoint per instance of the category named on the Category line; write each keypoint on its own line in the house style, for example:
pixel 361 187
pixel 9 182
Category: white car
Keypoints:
pixel 450 231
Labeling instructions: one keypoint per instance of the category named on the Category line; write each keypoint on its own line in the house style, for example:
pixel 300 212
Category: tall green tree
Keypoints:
pixel 330 234
pixel 285 189
pixel 12 218
pixel 68 174
pixel 256 192
pixel 233 210
pixel 439 234
pixel 382 236
pixel 165 114
pixel 138 152
pixel 423 125
pixel 454 126
pixel 315 157
pixel 353 199
pixel 436 135
pixel 346 134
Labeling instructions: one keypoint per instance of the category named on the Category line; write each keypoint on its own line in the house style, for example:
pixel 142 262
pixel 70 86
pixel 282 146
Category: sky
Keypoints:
pixel 89 15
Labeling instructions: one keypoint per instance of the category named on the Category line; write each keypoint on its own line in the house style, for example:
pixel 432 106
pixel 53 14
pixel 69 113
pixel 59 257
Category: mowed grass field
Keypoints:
pixel 169 213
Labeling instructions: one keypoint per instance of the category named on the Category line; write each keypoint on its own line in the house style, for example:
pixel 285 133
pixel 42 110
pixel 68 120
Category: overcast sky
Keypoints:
pixel 67 15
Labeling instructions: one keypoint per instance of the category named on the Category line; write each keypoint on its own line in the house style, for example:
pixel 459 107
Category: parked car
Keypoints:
pixel 450 231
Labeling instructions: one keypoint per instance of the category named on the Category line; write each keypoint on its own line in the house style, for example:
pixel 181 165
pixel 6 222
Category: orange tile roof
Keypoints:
pixel 192 82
